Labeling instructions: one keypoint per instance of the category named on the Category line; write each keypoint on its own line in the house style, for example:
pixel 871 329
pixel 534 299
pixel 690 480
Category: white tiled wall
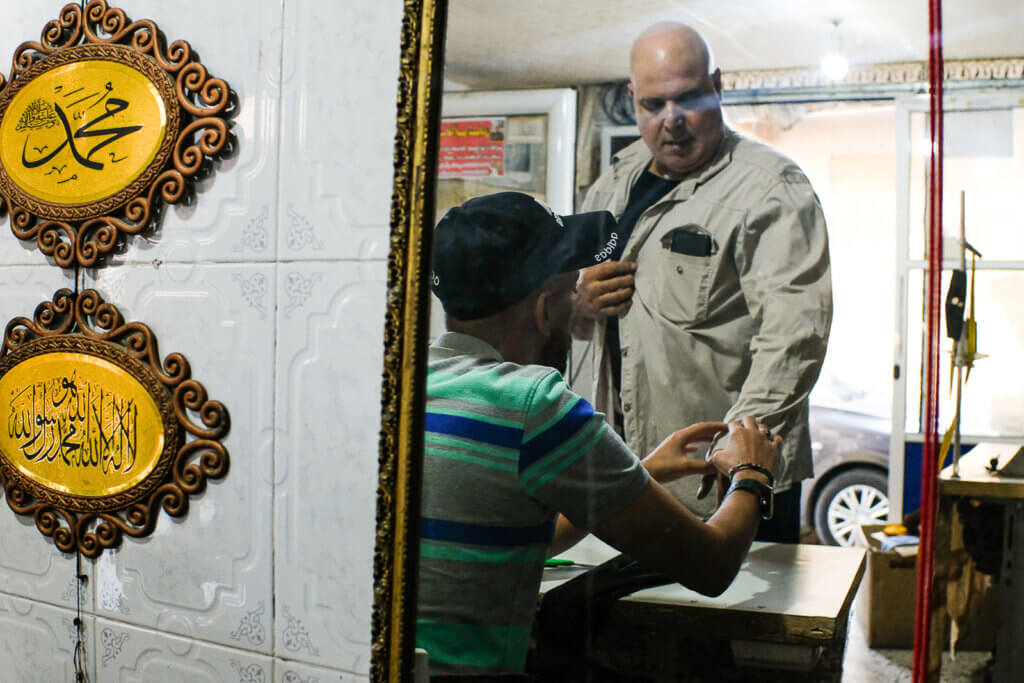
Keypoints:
pixel 273 286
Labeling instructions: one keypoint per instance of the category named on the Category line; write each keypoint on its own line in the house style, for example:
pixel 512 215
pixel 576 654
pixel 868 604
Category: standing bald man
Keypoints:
pixel 718 301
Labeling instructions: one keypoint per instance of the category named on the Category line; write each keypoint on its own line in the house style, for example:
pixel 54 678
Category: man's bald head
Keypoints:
pixel 670 41
pixel 676 95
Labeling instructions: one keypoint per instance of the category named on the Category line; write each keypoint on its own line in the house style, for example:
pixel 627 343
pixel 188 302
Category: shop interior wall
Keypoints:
pixel 273 286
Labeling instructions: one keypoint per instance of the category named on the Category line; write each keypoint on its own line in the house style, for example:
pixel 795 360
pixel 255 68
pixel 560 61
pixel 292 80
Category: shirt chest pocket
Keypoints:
pixel 673 276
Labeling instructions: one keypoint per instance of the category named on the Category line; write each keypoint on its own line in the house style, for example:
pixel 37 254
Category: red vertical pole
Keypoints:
pixel 929 469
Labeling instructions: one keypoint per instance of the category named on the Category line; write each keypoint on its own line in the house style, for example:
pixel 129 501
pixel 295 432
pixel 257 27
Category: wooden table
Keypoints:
pixel 976 482
pixel 786 611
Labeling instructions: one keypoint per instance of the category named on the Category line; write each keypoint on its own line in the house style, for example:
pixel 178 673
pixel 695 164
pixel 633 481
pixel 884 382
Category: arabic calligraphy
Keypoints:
pixel 76 422
pixel 82 131
pixel 79 424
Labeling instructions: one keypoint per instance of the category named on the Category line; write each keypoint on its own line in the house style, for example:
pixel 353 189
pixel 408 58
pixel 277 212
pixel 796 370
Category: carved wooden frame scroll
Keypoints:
pixel 405 340
pixel 195 124
pixel 89 331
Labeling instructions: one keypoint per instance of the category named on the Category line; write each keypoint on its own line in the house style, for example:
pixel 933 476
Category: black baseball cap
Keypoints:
pixel 492 251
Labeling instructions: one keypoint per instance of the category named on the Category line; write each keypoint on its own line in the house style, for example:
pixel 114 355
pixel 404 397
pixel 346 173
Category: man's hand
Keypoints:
pixel 605 290
pixel 670 460
pixel 749 442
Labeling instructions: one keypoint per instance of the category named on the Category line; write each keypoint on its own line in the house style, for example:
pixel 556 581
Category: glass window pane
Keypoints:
pixel 847 149
pixel 993 396
pixel 984 157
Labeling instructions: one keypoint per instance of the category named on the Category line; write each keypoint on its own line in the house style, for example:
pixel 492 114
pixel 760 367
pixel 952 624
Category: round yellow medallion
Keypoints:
pixel 79 425
pixel 81 132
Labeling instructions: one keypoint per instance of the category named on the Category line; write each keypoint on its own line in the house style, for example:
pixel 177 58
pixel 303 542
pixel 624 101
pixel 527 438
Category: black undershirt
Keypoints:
pixel 648 189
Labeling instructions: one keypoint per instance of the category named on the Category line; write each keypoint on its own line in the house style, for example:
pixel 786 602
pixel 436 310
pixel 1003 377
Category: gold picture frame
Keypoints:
pixel 88 400
pixel 405 336
pixel 105 97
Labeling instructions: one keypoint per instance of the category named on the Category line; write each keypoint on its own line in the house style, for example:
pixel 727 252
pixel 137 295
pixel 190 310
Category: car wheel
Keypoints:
pixel 850 499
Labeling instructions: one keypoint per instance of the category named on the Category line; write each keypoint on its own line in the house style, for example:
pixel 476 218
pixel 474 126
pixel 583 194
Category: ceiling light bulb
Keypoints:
pixel 834 66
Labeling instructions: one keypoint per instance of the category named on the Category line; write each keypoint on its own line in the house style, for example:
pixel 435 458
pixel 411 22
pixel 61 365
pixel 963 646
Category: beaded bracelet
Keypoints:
pixel 751 466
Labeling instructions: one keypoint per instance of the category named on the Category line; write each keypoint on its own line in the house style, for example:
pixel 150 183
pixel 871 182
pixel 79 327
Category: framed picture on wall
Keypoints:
pixel 522 140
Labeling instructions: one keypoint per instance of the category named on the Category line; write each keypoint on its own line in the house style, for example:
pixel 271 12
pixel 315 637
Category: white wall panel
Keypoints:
pixel 207 576
pixel 338 109
pixel 232 217
pixel 272 284
pixel 328 386
pixel 38 642
pixel 129 654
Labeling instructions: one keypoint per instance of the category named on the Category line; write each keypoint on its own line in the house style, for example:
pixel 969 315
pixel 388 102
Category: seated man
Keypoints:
pixel 516 465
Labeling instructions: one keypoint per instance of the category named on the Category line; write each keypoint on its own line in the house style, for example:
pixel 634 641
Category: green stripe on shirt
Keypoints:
pixel 474 646
pixel 438 551
pixel 471 459
pixel 465 444
pixel 570 450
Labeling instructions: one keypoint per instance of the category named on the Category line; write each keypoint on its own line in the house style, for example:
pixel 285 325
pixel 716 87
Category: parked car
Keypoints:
pixel 851 466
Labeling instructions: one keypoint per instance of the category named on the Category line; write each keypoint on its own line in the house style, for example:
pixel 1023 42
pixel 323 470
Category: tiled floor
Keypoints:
pixel 864 665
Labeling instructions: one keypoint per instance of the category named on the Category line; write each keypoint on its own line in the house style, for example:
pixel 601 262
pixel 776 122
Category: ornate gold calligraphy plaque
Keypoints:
pixel 79 424
pixel 101 122
pixel 83 131
pixel 98 434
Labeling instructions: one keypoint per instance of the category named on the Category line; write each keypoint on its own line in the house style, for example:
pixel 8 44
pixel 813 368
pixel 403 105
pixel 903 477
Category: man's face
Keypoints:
pixel 554 352
pixel 678 112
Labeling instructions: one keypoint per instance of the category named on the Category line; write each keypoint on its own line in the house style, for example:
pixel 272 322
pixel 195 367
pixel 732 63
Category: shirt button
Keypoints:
pixel 679 269
pixel 626 407
pixel 625 352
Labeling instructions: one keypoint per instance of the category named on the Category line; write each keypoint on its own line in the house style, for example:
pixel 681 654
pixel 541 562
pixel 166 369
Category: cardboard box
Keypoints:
pixel 886 598
pixel 886 601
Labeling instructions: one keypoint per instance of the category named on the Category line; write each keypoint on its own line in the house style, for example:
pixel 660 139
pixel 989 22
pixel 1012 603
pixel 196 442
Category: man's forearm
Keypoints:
pixel 660 533
pixel 566 536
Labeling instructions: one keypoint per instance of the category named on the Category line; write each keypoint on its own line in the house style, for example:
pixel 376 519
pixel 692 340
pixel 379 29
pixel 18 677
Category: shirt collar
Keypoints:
pixel 639 151
pixel 465 344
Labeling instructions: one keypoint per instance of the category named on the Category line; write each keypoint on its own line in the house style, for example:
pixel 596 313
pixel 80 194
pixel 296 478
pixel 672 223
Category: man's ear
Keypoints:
pixel 629 89
pixel 542 314
pixel 716 81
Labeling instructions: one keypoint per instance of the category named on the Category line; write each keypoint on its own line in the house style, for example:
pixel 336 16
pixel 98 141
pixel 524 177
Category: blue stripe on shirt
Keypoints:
pixel 555 435
pixel 477 430
pixel 483 534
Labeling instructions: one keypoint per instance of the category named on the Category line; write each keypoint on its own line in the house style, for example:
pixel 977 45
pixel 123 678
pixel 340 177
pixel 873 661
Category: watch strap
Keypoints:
pixel 764 493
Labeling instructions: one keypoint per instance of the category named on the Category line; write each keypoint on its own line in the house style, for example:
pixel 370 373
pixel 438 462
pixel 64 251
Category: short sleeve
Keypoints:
pixel 571 461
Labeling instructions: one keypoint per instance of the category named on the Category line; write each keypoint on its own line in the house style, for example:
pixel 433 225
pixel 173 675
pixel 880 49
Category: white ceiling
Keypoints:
pixel 497 44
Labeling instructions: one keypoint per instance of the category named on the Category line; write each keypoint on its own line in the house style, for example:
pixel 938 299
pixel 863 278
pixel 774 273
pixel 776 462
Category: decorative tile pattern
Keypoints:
pixel 301 233
pixel 112 641
pixel 250 627
pixel 131 654
pixel 298 288
pixel 256 234
pixel 254 290
pixel 295 635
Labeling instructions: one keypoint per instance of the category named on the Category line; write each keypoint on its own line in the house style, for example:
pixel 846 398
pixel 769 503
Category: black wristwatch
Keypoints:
pixel 764 493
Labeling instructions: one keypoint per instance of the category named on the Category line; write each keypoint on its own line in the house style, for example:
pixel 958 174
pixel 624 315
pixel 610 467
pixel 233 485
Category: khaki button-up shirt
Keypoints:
pixel 740 332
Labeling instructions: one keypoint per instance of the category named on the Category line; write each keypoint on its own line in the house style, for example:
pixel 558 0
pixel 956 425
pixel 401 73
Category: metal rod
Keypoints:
pixel 956 421
pixel 960 345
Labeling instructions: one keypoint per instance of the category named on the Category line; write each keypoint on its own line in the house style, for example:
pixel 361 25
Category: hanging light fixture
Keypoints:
pixel 834 65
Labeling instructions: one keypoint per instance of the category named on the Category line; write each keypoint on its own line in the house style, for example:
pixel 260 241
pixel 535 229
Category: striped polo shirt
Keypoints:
pixel 506 447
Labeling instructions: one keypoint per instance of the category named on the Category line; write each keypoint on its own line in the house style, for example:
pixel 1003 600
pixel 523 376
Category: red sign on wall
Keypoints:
pixel 472 148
